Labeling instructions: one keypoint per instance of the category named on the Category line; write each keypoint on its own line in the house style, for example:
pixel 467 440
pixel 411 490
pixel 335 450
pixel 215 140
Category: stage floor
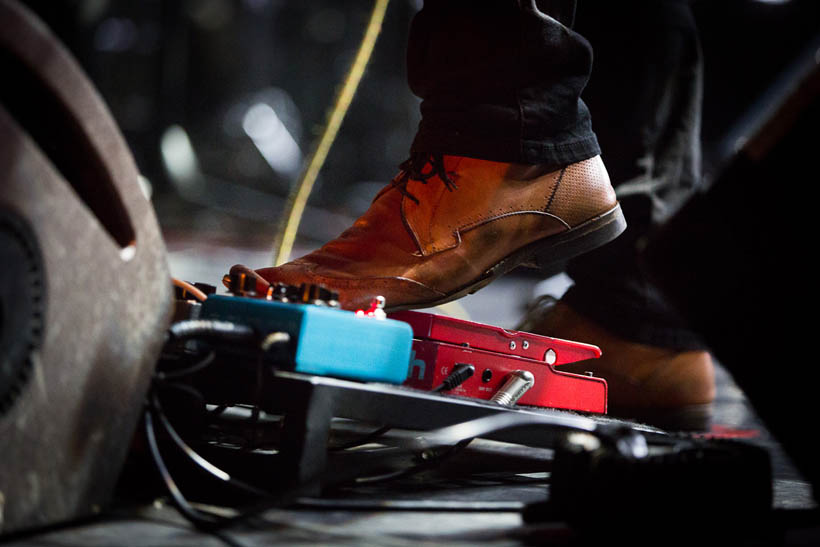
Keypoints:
pixel 480 507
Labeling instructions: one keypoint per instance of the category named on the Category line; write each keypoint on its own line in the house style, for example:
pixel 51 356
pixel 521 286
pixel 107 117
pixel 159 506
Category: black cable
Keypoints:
pixel 215 413
pixel 203 463
pixel 210 328
pixel 271 499
pixel 200 461
pixel 200 519
pixel 424 466
pixel 204 520
pixel 367 439
pixel 209 520
pixel 489 424
pixel 234 332
pixel 187 371
pixel 195 393
pixel 460 373
pixel 426 505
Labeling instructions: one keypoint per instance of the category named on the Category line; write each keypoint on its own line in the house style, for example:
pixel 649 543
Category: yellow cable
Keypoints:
pixel 454 309
pixel 297 199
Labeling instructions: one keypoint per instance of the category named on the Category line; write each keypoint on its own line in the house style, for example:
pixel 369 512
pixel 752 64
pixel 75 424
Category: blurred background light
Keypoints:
pixel 115 34
pixel 326 26
pixel 178 156
pixel 272 139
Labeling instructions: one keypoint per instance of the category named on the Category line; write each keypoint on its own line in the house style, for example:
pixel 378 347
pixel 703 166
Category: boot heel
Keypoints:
pixel 585 237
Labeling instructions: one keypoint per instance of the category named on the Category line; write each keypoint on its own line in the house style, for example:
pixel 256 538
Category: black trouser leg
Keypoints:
pixel 501 80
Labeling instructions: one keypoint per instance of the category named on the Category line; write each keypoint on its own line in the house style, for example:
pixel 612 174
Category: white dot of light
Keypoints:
pixel 272 139
pixel 178 155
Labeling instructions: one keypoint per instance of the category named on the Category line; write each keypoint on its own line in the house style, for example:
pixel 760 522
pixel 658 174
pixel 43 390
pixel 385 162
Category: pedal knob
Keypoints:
pixel 316 294
pixel 240 284
pixel 303 294
pixel 277 292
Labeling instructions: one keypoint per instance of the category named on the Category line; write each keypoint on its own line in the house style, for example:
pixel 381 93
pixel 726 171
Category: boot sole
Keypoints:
pixel 543 253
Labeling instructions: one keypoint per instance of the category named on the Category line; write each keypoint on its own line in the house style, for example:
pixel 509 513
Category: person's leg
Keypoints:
pixel 504 169
pixel 501 81
pixel 645 97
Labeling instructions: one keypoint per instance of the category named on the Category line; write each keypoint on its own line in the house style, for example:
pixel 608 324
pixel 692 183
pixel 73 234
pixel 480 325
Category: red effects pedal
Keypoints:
pixel 500 359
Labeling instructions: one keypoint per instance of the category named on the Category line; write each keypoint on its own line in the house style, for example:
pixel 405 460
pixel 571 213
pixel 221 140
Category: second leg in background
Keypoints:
pixel 645 96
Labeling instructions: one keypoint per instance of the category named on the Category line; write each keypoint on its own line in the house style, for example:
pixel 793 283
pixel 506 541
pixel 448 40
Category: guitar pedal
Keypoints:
pixel 508 364
pixel 326 341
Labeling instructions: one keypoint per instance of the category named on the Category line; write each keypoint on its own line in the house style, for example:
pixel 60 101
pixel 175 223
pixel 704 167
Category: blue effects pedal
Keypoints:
pixel 328 341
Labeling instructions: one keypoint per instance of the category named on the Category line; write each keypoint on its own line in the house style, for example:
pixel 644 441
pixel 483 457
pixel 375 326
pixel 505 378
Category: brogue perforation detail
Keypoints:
pixel 555 189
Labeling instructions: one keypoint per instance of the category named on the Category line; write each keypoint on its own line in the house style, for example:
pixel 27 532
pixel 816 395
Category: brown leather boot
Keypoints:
pixel 663 387
pixel 460 224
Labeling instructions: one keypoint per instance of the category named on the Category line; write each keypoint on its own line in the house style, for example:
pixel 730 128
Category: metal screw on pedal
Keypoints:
pixel 517 384
pixel 550 357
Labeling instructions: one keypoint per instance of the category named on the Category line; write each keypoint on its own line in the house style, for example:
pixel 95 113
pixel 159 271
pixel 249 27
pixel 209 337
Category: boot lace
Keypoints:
pixel 415 168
